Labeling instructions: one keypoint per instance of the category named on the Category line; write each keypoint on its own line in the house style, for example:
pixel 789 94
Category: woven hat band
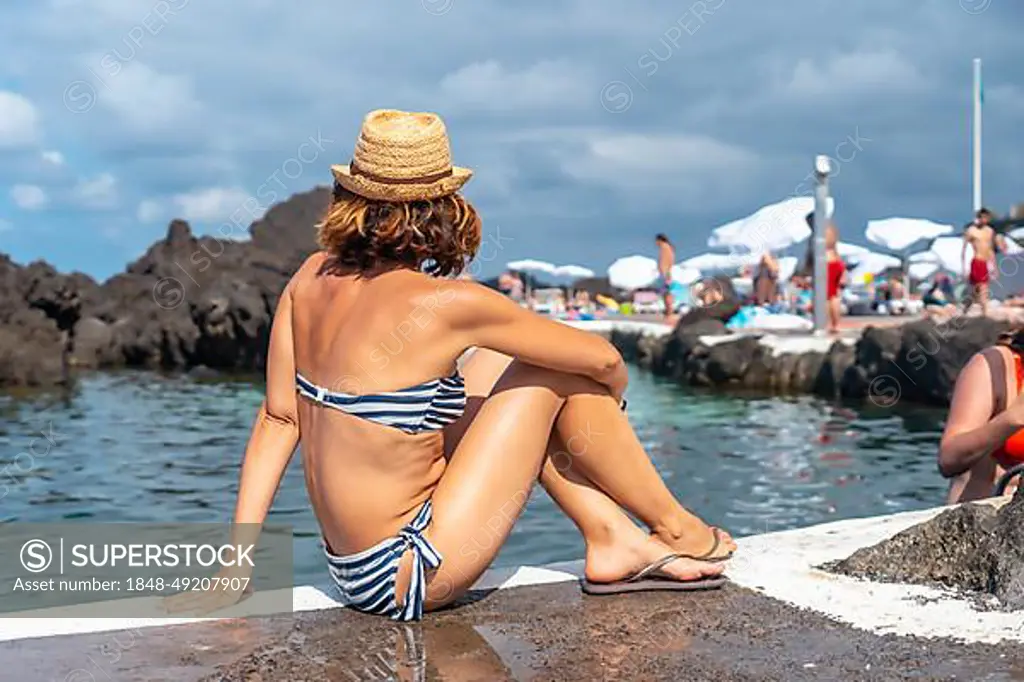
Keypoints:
pixel 355 170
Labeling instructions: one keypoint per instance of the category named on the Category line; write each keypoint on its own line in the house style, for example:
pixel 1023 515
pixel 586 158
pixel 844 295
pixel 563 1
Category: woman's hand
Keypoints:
pixel 618 381
pixel 1014 413
pixel 225 589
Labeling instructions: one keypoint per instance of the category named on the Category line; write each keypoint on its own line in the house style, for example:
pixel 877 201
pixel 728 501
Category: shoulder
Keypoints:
pixel 309 269
pixel 464 302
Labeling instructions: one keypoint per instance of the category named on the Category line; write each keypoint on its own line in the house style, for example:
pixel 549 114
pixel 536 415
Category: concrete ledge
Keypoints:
pixel 778 565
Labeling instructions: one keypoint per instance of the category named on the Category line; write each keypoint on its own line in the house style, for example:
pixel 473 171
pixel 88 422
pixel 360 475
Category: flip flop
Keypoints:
pixel 709 556
pixel 650 578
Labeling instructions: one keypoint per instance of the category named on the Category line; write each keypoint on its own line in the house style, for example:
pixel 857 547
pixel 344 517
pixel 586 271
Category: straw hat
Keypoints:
pixel 402 156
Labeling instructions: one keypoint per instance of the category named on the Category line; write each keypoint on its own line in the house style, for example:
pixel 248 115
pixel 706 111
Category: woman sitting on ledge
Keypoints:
pixel 983 442
pixel 410 462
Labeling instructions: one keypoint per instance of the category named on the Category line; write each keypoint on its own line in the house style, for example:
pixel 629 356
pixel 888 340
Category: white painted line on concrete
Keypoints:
pixel 781 565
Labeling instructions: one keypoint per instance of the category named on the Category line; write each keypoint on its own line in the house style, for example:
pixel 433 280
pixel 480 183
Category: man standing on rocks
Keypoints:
pixel 983 268
pixel 666 258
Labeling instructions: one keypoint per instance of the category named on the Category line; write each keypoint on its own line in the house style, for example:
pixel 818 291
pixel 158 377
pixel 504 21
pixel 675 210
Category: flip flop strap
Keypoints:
pixel 717 534
pixel 655 567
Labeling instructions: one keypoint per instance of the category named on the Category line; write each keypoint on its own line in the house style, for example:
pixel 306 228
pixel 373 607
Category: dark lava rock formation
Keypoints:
pixel 918 361
pixel 188 302
pixel 974 548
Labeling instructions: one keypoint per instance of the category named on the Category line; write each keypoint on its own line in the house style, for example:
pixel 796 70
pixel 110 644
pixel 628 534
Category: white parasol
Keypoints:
pixel 633 272
pixel 531 265
pixel 637 272
pixel 573 272
pixel 872 263
pixel 898 234
pixel 714 262
pixel 772 228
pixel 787 266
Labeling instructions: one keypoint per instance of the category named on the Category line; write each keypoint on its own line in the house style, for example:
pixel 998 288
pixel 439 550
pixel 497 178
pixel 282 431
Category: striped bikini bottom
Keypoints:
pixel 367 579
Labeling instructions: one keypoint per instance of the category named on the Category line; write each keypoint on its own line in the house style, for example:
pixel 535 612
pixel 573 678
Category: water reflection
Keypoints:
pixel 416 653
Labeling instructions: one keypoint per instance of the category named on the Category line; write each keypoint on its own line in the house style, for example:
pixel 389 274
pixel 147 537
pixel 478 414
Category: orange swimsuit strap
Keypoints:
pixel 1012 451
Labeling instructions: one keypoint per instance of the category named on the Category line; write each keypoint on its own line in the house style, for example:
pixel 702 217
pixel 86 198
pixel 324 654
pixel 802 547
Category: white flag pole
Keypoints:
pixel 976 145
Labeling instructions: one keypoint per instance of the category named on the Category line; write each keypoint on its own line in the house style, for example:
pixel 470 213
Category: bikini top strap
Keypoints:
pixel 1020 369
pixel 997 369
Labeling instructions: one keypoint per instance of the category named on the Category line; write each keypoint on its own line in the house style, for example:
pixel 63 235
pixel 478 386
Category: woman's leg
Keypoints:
pixel 594 443
pixel 489 476
pixel 833 314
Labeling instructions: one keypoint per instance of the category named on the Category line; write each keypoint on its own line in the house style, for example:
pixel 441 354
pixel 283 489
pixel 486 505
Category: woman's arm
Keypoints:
pixel 271 445
pixel 276 431
pixel 970 433
pixel 484 318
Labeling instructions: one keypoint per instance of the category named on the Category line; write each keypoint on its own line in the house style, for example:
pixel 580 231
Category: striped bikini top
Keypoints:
pixel 429 406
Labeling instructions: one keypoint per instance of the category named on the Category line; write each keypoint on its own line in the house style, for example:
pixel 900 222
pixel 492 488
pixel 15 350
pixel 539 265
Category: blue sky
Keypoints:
pixel 591 125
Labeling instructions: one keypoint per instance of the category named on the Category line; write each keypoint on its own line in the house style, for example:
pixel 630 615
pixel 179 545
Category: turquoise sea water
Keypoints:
pixel 143 447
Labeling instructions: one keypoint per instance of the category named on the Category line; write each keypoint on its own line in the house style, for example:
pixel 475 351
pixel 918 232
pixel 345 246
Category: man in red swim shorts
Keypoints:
pixel 980 236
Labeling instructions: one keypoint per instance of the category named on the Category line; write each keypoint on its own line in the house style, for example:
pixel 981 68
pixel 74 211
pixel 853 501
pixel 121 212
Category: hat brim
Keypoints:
pixel 380 191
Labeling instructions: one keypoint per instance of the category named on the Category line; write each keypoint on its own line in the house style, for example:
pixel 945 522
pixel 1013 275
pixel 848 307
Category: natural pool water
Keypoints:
pixel 143 447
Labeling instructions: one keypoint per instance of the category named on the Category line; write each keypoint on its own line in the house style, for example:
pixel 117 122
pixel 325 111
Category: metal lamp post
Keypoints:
pixel 822 168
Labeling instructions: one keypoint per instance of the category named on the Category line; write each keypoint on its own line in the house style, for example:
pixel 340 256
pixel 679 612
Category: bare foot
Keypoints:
pixel 625 557
pixel 696 538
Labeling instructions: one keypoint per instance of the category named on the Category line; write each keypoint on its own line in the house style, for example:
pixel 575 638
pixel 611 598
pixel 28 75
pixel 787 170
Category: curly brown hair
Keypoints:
pixel 439 236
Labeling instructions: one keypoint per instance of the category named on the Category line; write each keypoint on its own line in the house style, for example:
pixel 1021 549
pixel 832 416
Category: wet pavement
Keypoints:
pixel 548 633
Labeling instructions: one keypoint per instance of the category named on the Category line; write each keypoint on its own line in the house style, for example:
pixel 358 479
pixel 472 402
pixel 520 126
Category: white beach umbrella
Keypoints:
pixel 531 265
pixel 685 275
pixel 873 263
pixel 787 266
pixel 1018 233
pixel 946 253
pixel 899 233
pixel 712 262
pixel 771 228
pixel 922 270
pixel 573 272
pixel 633 272
pixel 851 252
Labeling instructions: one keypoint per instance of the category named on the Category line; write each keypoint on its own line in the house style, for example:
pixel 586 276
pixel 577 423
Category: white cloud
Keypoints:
pixel 149 211
pixel 28 197
pixel 662 169
pixel 148 100
pixel 19 122
pixel 53 157
pixel 855 73
pixel 96 192
pixel 212 204
pixel 489 86
pixel 619 159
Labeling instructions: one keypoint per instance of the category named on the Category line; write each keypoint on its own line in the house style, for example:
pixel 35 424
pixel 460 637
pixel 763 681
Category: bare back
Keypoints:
pixel 666 257
pixel 365 335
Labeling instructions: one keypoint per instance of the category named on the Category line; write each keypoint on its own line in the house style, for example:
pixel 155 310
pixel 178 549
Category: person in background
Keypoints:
pixel 835 277
pixel 766 281
pixel 984 435
pixel 980 236
pixel 941 291
pixel 897 295
pixel 666 258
